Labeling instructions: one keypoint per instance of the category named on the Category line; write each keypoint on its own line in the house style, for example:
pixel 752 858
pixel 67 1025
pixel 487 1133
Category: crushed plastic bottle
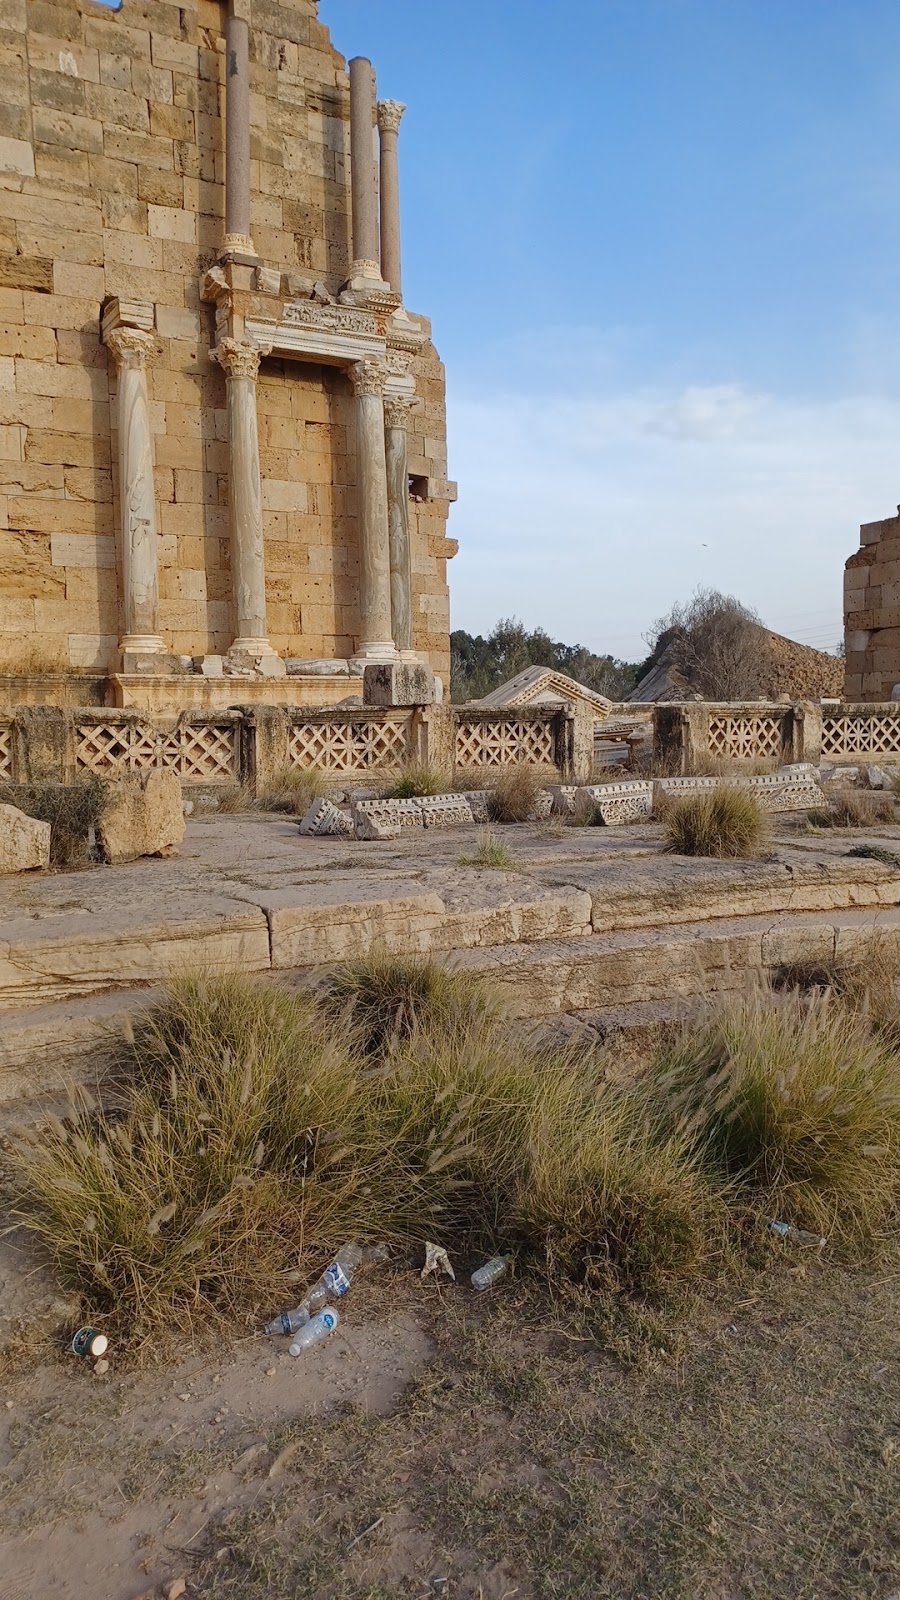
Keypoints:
pixel 316 1329
pixel 485 1277
pixel 786 1231
pixel 335 1281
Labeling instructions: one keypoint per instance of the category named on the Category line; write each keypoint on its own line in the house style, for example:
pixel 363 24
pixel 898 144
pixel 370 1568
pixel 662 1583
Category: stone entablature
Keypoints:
pixel 193 488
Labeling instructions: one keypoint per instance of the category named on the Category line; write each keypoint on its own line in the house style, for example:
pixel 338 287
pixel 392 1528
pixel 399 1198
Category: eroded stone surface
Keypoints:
pixel 24 841
pixel 142 817
pixel 325 818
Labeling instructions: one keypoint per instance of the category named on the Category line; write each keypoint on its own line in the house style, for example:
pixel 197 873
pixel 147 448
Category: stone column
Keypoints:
pixel 375 641
pixel 396 413
pixel 237 132
pixel 132 347
pixel 241 364
pixel 389 114
pixel 365 269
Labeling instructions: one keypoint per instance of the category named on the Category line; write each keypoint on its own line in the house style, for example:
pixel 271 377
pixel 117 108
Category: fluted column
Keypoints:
pixel 375 641
pixel 241 364
pixel 396 416
pixel 132 348
pixel 237 134
pixel 389 114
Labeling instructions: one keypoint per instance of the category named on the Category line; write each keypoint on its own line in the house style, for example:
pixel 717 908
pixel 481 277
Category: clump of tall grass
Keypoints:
pixel 855 808
pixel 513 795
pixel 385 999
pixel 726 823
pixel 259 1132
pixel 293 789
pixel 796 1103
pixel 416 778
pixel 238 1149
pixel 74 811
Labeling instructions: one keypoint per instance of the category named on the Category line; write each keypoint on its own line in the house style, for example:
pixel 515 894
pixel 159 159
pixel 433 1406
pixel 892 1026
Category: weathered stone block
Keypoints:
pixel 325 818
pixel 24 841
pixel 398 683
pixel 143 817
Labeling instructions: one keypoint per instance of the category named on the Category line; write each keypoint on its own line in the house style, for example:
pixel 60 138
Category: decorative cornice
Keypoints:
pixel 397 409
pixel 367 377
pixel 132 347
pixel 239 359
pixel 389 114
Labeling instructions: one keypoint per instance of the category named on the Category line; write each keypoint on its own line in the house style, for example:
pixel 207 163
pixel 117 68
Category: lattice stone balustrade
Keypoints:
pixel 6 765
pixel 196 752
pixel 505 741
pixel 742 736
pixel 870 736
pixel 356 745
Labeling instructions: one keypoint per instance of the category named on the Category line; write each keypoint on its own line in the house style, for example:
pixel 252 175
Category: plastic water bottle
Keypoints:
pixel 289 1321
pixel 316 1329
pixel 335 1281
pixel 785 1230
pixel 485 1277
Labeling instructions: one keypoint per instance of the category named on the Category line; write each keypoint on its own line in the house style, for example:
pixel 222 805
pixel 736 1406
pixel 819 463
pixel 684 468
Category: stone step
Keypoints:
pixel 42 1047
pixel 614 970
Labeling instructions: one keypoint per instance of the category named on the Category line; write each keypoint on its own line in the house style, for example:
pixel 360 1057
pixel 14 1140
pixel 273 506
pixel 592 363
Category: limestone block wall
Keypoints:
pixel 872 613
pixel 112 184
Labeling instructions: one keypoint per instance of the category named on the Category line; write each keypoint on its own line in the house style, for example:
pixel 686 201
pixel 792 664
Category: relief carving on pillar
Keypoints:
pixel 367 377
pixel 239 359
pixel 132 347
pixel 389 114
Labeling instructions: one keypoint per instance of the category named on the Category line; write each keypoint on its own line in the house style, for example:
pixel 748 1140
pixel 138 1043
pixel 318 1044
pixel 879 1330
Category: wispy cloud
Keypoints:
pixel 591 516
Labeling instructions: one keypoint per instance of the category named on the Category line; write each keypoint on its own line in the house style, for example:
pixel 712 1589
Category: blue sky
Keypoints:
pixel 660 244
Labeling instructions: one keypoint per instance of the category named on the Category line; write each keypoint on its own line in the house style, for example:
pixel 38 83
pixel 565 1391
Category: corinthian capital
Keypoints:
pixel 239 359
pixel 397 410
pixel 132 347
pixel 367 377
pixel 389 114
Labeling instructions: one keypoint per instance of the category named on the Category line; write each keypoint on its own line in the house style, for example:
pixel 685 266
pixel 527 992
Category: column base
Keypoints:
pixel 238 244
pixel 254 658
pixel 365 278
pixel 373 650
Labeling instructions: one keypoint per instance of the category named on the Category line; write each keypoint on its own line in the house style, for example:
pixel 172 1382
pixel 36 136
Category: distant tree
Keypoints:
pixel 718 645
pixel 479 665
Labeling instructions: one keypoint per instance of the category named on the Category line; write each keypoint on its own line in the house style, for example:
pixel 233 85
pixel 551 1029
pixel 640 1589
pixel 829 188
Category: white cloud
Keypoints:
pixel 591 516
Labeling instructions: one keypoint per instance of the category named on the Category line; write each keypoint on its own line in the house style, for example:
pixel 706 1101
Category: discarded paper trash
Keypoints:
pixel 436 1260
pixel 89 1342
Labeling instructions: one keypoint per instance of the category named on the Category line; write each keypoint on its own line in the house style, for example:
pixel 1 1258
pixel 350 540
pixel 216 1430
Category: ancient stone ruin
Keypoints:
pixel 222 434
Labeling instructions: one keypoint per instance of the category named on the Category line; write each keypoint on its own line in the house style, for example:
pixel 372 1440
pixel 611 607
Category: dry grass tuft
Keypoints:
pixel 417 778
pixel 293 789
pixel 513 795
pixel 385 999
pixel 239 1151
pixel 726 823
pixel 74 811
pixel 797 1103
pixel 489 852
pixel 234 799
pixel 855 808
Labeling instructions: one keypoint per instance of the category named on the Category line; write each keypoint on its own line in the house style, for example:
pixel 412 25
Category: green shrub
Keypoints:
pixel 726 822
pixel 74 811
pixel 514 793
pixel 797 1104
